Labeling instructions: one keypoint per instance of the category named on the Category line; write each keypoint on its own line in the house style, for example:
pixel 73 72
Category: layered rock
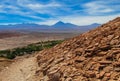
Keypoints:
pixel 94 55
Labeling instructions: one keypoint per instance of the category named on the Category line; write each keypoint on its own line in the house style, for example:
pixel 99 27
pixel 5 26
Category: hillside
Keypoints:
pixel 94 55
pixel 91 56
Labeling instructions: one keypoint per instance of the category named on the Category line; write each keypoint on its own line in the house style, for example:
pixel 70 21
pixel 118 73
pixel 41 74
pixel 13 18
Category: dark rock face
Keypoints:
pixel 92 56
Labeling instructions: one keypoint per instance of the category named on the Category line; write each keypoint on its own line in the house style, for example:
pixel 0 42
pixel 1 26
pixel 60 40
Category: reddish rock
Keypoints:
pixel 90 74
pixel 108 75
pixel 80 59
pixel 101 74
pixel 108 69
pixel 105 62
pixel 95 55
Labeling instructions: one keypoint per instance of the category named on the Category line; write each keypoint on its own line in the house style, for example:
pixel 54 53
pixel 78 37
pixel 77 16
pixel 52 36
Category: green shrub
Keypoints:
pixel 11 54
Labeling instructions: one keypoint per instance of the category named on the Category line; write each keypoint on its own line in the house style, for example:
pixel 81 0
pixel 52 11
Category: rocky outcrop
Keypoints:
pixel 92 56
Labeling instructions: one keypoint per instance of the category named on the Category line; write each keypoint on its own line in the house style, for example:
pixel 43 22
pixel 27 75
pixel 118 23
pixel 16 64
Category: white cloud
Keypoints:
pixel 41 6
pixel 48 22
pixel 1 8
pixel 106 10
pixel 82 20
pixel 6 8
pixel 58 11
pixel 90 19
pixel 99 7
pixel 48 8
pixel 12 9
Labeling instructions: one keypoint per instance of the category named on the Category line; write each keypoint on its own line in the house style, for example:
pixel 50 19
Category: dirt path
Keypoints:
pixel 21 70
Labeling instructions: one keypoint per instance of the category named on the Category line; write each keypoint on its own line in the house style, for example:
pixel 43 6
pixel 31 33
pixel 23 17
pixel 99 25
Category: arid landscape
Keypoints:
pixel 93 55
pixel 13 39
pixel 60 40
pixel 9 40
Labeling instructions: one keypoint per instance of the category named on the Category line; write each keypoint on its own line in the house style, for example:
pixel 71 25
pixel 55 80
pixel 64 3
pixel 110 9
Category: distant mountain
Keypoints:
pixel 59 26
pixel 23 25
pixel 63 25
pixel 93 25
pixel 89 27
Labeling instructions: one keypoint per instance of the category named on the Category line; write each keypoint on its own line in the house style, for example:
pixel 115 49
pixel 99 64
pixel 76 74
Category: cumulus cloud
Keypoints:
pixel 10 7
pixel 79 12
pixel 101 7
pixel 38 6
pixel 35 6
pixel 43 8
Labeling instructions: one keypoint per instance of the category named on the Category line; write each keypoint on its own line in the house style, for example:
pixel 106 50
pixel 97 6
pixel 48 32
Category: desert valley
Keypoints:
pixel 59 40
pixel 93 55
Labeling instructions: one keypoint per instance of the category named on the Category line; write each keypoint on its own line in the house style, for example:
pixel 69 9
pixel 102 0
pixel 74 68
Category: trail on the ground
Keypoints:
pixel 21 70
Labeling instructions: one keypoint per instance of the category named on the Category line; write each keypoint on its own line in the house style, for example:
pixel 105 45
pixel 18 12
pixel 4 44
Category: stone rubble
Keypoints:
pixel 92 56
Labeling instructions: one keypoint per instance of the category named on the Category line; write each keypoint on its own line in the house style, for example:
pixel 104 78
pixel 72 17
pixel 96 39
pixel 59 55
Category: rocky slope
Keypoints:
pixel 94 55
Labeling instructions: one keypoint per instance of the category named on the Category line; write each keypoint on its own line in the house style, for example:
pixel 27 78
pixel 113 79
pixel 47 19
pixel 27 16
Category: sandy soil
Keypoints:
pixel 4 63
pixel 21 70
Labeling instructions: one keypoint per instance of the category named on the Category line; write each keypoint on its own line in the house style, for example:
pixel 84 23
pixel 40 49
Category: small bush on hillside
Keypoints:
pixel 11 54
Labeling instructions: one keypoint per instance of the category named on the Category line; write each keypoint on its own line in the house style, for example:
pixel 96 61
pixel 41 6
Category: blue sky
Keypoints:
pixel 80 12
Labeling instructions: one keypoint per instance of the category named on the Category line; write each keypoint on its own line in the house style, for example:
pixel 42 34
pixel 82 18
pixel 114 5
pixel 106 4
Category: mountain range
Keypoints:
pixel 59 26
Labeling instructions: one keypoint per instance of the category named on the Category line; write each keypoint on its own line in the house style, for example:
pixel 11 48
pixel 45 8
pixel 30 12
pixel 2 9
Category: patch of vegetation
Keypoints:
pixel 29 49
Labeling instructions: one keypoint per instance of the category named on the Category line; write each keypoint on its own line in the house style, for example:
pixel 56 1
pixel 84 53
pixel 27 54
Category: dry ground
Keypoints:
pixel 20 40
pixel 4 63
pixel 22 69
